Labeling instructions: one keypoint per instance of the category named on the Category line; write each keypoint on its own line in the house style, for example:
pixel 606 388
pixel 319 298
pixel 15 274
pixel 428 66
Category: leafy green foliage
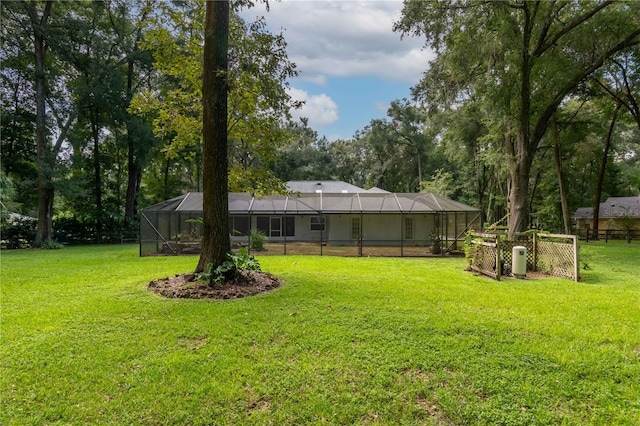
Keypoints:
pixel 51 244
pixel 7 197
pixel 91 151
pixel 243 261
pixel 18 231
pixel 440 184
pixel 257 238
pixel 533 56
pixel 206 275
pixel 235 263
pixel 258 76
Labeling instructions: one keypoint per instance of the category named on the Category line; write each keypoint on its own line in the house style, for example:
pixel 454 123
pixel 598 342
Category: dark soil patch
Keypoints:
pixel 187 287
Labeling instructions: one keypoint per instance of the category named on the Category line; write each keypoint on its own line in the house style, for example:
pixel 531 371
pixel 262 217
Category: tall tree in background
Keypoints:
pixel 307 157
pixel 215 241
pixel 533 54
pixel 40 28
pixel 474 159
pixel 17 127
pixel 104 67
pixel 601 172
pixel 67 62
pixel 562 184
pixel 127 21
pixel 409 128
pixel 31 33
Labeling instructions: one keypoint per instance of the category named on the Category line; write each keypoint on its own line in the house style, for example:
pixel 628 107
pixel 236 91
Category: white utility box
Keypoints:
pixel 519 261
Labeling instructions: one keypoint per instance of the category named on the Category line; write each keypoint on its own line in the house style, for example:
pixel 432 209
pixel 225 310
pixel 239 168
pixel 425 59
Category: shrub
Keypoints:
pixel 230 268
pixel 51 244
pixel 257 239
pixel 18 231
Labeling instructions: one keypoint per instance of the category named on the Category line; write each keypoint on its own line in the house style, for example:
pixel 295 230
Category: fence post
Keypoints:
pixel 535 251
pixel 576 264
pixel 498 260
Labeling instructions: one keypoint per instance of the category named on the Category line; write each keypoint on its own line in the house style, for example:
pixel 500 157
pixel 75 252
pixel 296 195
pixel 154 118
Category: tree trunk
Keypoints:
pixel 601 173
pixel 133 168
pixel 134 173
pixel 519 171
pixel 97 173
pixel 44 154
pixel 566 216
pixel 481 191
pixel 419 160
pixel 134 157
pixel 519 197
pixel 215 241
pixel 165 179
pixel 520 158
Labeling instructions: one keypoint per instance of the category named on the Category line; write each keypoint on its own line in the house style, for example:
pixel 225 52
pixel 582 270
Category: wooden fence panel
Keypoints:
pixel 552 254
pixel 485 255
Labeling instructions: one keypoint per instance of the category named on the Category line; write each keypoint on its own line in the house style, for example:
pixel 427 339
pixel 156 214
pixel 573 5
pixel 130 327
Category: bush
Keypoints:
pixel 18 231
pixel 257 240
pixel 73 230
pixel 51 244
pixel 230 268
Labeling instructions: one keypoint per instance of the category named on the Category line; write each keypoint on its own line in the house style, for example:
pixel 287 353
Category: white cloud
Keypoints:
pixel 346 39
pixel 321 110
pixel 381 106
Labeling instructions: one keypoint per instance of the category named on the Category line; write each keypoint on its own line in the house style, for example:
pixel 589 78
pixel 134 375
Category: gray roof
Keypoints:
pixel 376 189
pixel 612 208
pixel 316 203
pixel 330 186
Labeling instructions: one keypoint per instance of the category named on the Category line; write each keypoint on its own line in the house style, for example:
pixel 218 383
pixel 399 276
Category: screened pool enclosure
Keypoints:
pixel 346 224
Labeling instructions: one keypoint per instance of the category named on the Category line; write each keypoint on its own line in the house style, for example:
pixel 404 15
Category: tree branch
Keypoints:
pixel 543 47
pixel 547 25
pixel 610 92
pixel 633 103
pixel 543 121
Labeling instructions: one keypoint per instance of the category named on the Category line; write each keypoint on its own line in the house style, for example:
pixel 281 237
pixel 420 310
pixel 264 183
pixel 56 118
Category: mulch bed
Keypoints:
pixel 187 287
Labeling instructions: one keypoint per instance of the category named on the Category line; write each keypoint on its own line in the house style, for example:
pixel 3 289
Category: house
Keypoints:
pixel 322 213
pixel 616 213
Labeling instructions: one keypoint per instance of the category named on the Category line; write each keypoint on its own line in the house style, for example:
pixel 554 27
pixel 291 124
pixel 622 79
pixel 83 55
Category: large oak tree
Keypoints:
pixel 523 58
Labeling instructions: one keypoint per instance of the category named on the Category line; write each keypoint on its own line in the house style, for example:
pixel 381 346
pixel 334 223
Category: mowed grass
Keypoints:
pixel 345 341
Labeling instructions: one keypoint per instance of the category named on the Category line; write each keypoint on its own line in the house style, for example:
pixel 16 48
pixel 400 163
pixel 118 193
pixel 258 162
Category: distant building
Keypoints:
pixel 617 213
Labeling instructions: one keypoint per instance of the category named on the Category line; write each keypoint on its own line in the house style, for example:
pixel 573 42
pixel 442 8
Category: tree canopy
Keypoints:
pixel 532 57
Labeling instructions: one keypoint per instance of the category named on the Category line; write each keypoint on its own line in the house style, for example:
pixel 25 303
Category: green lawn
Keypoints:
pixel 345 341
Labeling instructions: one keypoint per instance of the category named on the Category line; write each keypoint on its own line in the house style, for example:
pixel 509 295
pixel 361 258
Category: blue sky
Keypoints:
pixel 352 65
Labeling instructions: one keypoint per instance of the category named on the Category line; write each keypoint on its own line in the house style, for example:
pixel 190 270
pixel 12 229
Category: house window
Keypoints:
pixel 262 223
pixel 290 226
pixel 408 228
pixel 355 228
pixel 276 226
pixel 317 223
pixel 238 225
